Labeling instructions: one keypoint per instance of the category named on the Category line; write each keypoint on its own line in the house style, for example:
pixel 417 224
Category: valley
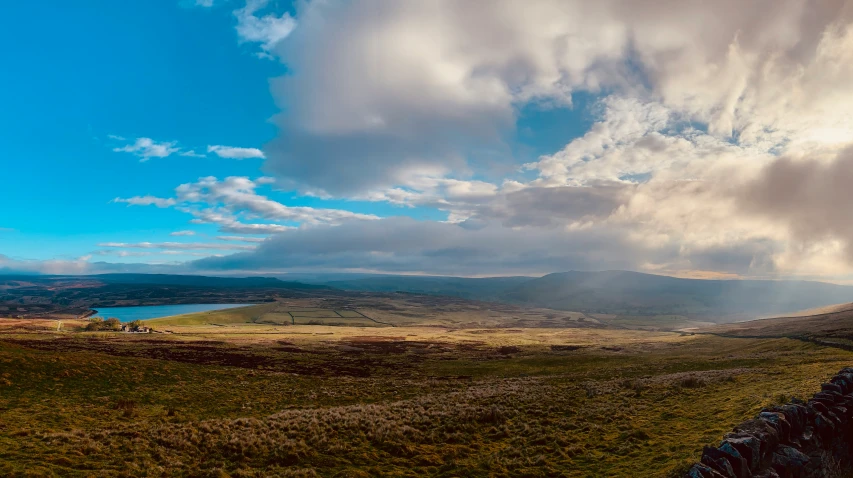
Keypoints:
pixel 430 386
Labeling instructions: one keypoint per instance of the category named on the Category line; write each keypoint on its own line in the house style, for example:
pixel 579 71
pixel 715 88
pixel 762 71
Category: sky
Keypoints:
pixel 477 138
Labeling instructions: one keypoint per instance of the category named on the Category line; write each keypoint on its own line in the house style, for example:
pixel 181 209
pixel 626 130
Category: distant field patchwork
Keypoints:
pixel 275 314
pixel 389 311
pixel 331 317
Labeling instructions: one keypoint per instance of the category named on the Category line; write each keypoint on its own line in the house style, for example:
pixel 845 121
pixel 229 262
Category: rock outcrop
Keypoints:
pixel 797 440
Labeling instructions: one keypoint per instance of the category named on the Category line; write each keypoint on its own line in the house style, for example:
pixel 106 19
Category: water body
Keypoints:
pixel 129 314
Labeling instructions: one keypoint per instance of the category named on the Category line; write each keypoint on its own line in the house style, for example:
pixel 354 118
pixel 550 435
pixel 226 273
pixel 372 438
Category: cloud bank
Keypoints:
pixel 720 142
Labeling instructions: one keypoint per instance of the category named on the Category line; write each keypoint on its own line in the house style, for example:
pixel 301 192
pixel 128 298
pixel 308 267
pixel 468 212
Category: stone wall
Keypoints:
pixel 808 440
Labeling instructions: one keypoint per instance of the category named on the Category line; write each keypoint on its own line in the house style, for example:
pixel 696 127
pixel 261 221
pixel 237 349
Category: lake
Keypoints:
pixel 129 314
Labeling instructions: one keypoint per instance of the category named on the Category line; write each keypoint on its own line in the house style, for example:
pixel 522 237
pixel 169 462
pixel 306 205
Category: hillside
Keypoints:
pixel 633 293
pixel 491 288
pixel 203 281
pixel 621 293
pixel 74 296
pixel 835 324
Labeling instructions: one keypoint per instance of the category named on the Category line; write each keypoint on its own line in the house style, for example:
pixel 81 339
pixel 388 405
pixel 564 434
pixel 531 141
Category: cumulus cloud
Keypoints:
pixel 182 233
pixel 241 238
pixel 228 222
pixel 175 245
pixel 234 201
pixel 235 194
pixel 84 266
pixel 700 115
pixel 267 30
pixel 809 197
pixel 146 201
pixel 192 154
pixel 406 245
pixel 382 91
pixel 55 266
pixel 719 142
pixel 147 148
pixel 235 153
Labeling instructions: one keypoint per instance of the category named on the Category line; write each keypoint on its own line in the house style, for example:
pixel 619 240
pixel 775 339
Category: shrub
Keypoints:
pixel 691 382
pixel 128 407
pixel 97 323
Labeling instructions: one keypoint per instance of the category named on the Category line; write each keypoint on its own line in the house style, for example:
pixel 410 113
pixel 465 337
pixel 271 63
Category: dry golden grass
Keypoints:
pixel 266 400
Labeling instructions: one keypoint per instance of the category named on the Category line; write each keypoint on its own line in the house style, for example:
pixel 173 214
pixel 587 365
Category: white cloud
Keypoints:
pixel 228 222
pixel 185 253
pixel 702 104
pixel 235 153
pixel 146 201
pixel 192 154
pixel 232 202
pixel 454 73
pixel 147 148
pixel 175 245
pixel 182 233
pixel 204 3
pixel 237 194
pixel 406 245
pixel 268 30
pixel 720 143
pixel 241 238
pixel 55 266
pixel 132 253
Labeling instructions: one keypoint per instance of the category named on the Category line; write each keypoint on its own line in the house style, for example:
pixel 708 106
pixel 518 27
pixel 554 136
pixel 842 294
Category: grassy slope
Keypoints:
pixel 828 322
pixel 633 293
pixel 239 315
pixel 534 411
pixel 405 311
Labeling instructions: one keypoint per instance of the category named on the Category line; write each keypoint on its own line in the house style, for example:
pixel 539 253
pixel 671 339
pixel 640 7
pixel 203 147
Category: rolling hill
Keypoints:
pixel 203 281
pixel 490 288
pixel 621 293
pixel 633 293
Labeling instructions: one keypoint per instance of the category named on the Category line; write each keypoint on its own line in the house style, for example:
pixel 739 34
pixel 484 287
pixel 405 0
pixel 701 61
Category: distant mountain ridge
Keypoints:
pixel 170 280
pixel 634 293
pixel 623 293
pixel 489 288
pixel 204 281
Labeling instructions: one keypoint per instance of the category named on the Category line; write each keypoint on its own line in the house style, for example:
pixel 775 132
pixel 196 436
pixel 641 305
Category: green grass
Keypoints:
pixel 336 405
pixel 271 313
pixel 239 315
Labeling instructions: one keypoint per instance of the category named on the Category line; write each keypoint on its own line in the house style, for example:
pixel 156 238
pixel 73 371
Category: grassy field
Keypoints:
pixel 248 398
pixel 402 311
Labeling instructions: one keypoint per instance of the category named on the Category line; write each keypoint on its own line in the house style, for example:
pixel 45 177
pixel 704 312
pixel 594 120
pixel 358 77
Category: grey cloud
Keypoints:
pixel 406 245
pixel 557 206
pixel 751 258
pixel 812 197
pixel 241 238
pixel 175 245
pixel 381 91
pixel 10 265
pixel 238 195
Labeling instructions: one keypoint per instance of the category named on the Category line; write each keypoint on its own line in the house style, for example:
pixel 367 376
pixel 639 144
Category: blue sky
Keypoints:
pixel 487 137
pixel 160 69
pixel 134 69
